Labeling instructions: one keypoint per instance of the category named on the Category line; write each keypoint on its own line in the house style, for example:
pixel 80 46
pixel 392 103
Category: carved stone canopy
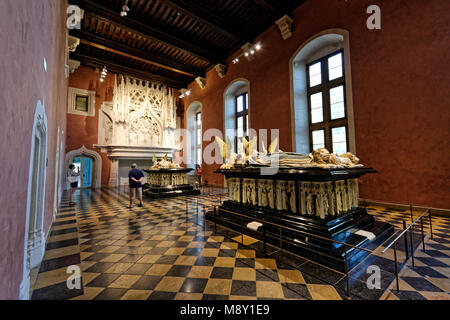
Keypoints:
pixel 221 70
pixel 285 25
pixel 201 82
pixel 73 43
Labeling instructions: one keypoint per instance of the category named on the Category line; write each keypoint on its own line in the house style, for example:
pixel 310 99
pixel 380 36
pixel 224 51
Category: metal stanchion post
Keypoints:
pixel 395 267
pixel 412 246
pixel 406 240
pixel 346 273
pixel 215 219
pixel 423 236
pixel 431 226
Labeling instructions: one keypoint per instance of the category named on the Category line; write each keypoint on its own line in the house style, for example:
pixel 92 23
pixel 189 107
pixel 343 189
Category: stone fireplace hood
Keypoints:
pixel 118 152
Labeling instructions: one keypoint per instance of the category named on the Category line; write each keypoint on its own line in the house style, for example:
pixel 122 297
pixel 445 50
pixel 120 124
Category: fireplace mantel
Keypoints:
pixel 117 152
pixel 120 152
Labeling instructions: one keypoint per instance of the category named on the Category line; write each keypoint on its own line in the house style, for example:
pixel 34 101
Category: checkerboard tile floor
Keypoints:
pixel 157 252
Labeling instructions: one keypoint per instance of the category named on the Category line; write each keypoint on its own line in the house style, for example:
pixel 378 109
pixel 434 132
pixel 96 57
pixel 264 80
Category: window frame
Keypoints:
pixel 243 114
pixel 198 146
pixel 326 85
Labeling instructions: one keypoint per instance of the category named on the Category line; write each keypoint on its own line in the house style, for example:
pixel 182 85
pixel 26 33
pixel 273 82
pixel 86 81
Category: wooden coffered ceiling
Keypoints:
pixel 170 41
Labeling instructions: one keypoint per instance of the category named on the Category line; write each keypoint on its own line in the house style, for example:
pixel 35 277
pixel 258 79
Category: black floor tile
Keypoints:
pixel 245 263
pixel 111 294
pixel 205 261
pixel 266 275
pixel 409 295
pixel 103 280
pixel 243 288
pixel 147 283
pixel 131 258
pixel 214 297
pixel 179 271
pixel 100 267
pixel 63 231
pixel 61 244
pixel 431 262
pixel 192 251
pixel 296 291
pixel 427 272
pixel 167 260
pixel 53 264
pixel 194 285
pixel 421 284
pixel 58 291
pixel 320 272
pixel 139 269
pixel 160 295
pixel 222 273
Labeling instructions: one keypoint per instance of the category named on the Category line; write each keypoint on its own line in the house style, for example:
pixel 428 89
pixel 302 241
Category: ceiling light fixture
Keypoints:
pixel 248 51
pixel 103 74
pixel 125 9
pixel 185 93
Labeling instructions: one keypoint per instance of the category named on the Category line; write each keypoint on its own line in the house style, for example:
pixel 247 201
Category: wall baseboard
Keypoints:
pixel 398 206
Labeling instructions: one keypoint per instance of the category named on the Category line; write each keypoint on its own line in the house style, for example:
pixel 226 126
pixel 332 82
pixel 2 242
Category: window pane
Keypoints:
pixel 81 104
pixel 318 139
pixel 315 74
pixel 199 118
pixel 337 103
pixel 199 156
pixel 246 101
pixel 199 136
pixel 246 122
pixel 240 103
pixel 339 138
pixel 335 69
pixel 316 108
pixel 240 127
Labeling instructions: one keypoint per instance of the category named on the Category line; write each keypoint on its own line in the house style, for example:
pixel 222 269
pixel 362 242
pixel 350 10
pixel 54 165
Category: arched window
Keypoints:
pixel 321 93
pixel 236 110
pixel 194 126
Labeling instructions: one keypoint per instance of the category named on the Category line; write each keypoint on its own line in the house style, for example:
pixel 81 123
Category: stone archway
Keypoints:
pixel 83 151
pixel 34 242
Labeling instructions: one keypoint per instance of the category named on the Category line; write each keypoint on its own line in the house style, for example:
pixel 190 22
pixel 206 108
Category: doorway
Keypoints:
pixel 34 242
pixel 85 165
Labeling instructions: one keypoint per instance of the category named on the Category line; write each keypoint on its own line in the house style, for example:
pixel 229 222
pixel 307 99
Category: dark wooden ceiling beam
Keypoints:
pixel 208 18
pixel 135 26
pixel 92 39
pixel 121 69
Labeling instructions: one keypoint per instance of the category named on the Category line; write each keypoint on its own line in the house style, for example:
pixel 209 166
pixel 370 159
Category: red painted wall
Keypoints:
pixel 83 130
pixel 30 31
pixel 400 90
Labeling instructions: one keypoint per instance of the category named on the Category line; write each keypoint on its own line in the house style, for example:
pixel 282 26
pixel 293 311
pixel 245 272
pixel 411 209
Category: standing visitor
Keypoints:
pixel 72 177
pixel 136 177
pixel 199 175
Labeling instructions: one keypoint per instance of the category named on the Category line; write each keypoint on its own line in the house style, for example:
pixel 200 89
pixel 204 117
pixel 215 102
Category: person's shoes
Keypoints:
pixel 140 206
pixel 129 207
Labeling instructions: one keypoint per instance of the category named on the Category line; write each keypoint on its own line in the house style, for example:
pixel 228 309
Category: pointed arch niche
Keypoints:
pixel 195 108
pixel 97 159
pixel 316 47
pixel 34 243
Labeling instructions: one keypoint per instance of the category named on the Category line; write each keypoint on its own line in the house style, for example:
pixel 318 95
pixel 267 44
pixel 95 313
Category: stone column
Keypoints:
pixel 114 174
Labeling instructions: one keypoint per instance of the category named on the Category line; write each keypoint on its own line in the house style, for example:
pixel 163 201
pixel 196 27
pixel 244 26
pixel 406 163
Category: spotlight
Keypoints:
pixel 258 47
pixel 125 9
pixel 252 51
pixel 246 54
